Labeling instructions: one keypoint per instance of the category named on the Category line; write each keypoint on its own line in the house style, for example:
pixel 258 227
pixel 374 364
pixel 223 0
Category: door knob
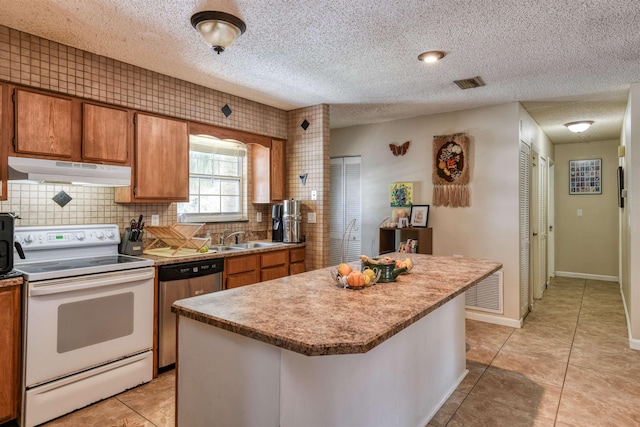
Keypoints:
pixel 535 234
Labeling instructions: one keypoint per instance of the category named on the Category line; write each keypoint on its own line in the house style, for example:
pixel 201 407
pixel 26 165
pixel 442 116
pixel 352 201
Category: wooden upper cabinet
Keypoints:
pixel 43 124
pixel 277 169
pixel 105 134
pixel 268 167
pixel 162 159
pixel 261 175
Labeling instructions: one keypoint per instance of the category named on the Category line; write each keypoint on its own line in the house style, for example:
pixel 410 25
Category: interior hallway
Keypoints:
pixel 570 365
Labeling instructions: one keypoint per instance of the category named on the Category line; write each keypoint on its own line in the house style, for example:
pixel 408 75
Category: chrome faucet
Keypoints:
pixel 222 238
pixel 235 233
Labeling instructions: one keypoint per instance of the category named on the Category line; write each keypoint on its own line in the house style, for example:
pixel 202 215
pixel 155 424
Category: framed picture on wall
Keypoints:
pixel 419 215
pixel 585 176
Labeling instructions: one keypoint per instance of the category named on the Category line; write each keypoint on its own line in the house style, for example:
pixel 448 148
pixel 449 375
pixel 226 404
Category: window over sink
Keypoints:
pixel 217 178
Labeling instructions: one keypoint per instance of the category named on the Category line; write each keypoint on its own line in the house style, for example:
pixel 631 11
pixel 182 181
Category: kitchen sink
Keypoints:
pixel 224 248
pixel 253 245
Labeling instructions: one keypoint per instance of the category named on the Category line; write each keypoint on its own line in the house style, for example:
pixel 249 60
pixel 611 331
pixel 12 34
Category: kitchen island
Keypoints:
pixel 301 351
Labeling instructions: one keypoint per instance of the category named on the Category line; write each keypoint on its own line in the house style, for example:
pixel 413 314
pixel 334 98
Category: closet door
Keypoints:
pixel 542 227
pixel 524 181
pixel 345 200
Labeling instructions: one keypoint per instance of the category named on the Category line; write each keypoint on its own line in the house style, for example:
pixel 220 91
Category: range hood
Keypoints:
pixel 56 171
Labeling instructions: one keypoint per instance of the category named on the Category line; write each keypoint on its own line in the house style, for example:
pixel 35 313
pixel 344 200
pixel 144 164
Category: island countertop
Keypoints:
pixel 309 314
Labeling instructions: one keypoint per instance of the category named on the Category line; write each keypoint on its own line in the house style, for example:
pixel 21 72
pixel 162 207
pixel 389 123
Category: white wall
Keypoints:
pixel 630 215
pixel 489 227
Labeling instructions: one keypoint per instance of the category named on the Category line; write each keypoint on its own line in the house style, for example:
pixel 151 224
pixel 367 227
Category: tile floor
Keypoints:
pixel 570 365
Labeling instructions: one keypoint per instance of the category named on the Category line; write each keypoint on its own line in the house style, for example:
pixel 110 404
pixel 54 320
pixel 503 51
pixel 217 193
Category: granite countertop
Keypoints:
pixel 11 281
pixel 160 260
pixel 308 313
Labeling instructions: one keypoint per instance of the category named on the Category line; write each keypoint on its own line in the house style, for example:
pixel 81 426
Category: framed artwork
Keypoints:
pixel 401 194
pixel 585 176
pixel 419 215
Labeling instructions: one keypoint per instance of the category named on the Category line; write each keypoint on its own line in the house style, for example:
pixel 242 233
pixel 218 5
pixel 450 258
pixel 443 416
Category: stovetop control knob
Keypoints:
pixel 80 236
pixel 100 235
pixel 29 238
pixel 109 234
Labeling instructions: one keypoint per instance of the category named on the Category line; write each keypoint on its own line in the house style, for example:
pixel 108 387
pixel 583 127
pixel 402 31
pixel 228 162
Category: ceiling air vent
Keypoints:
pixel 470 83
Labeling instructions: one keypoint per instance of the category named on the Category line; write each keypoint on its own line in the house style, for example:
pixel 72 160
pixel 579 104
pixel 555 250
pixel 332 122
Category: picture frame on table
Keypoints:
pixel 419 216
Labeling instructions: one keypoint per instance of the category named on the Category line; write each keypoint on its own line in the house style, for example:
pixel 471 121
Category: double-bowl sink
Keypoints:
pixel 244 246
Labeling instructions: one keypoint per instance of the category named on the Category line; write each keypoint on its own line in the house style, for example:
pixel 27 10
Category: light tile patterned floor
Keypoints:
pixel 570 365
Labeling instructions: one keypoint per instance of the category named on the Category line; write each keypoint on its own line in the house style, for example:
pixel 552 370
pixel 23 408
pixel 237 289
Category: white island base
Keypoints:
pixel 226 379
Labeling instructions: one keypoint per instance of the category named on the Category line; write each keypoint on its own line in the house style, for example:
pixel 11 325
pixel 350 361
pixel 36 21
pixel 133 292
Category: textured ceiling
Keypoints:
pixel 564 60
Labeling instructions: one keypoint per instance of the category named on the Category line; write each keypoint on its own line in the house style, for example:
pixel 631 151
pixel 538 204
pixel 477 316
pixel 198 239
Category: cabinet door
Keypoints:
pixel 242 279
pixel 104 134
pixel 260 174
pixel 10 354
pixel 296 268
pixel 277 169
pixel 271 259
pixel 274 273
pixel 296 255
pixel 43 124
pixel 162 159
pixel 240 264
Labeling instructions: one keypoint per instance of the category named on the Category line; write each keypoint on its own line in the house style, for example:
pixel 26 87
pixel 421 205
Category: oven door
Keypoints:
pixel 77 323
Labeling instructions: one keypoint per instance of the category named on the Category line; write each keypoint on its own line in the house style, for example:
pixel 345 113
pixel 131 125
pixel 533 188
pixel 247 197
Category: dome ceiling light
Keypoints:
pixel 218 29
pixel 580 126
pixel 431 56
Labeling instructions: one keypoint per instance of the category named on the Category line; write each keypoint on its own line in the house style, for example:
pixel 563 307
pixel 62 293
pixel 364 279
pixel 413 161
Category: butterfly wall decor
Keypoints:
pixel 399 150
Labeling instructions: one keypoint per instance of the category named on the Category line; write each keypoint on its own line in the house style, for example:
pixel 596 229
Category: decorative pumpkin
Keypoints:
pixel 355 279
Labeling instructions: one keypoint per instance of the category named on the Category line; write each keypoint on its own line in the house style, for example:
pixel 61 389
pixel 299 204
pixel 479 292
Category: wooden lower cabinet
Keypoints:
pixel 10 352
pixel 296 261
pixel 241 271
pixel 249 269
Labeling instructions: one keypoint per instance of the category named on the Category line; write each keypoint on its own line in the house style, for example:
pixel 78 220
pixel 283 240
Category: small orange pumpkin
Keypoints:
pixel 355 279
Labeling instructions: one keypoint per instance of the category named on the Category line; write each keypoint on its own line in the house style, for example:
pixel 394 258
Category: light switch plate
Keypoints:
pixel 314 195
pixel 311 217
pixel 579 212
pixel 259 217
pixel 155 219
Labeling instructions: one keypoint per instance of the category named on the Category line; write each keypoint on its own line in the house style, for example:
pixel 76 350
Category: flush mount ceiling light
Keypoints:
pixel 218 29
pixel 580 126
pixel 431 56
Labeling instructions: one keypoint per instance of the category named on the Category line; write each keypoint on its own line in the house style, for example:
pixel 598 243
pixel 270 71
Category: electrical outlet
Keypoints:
pixel 311 217
pixel 155 219
pixel 259 217
pixel 579 212
pixel 314 195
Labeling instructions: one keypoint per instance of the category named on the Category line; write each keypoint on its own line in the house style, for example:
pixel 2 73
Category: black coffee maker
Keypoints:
pixel 7 229
pixel 276 219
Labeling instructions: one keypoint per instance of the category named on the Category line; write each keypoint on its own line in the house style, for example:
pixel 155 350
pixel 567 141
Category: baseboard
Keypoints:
pixel 587 276
pixel 496 320
pixel 634 343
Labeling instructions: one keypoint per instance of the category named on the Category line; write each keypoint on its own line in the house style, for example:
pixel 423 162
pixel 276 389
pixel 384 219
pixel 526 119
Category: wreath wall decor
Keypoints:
pixel 451 170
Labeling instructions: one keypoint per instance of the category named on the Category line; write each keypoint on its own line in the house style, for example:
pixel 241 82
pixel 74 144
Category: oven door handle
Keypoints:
pixel 78 283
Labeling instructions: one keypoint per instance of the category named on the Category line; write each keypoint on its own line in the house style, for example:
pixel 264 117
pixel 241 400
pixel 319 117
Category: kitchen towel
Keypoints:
pixel 451 170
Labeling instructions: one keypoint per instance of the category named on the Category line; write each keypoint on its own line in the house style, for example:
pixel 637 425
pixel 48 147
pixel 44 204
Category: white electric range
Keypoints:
pixel 88 318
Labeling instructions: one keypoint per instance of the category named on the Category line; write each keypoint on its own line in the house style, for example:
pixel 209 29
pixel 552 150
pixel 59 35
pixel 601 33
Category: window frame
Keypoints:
pixel 225 147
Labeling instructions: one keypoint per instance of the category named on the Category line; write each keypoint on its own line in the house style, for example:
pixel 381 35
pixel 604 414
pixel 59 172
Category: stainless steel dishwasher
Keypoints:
pixel 178 281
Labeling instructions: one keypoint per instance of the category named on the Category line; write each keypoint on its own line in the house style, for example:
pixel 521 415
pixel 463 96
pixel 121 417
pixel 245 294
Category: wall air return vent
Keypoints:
pixel 486 295
pixel 471 83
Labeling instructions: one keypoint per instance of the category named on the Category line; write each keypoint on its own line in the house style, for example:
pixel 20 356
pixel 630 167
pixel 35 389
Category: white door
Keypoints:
pixel 524 183
pixel 551 244
pixel 534 223
pixel 345 223
pixel 541 284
